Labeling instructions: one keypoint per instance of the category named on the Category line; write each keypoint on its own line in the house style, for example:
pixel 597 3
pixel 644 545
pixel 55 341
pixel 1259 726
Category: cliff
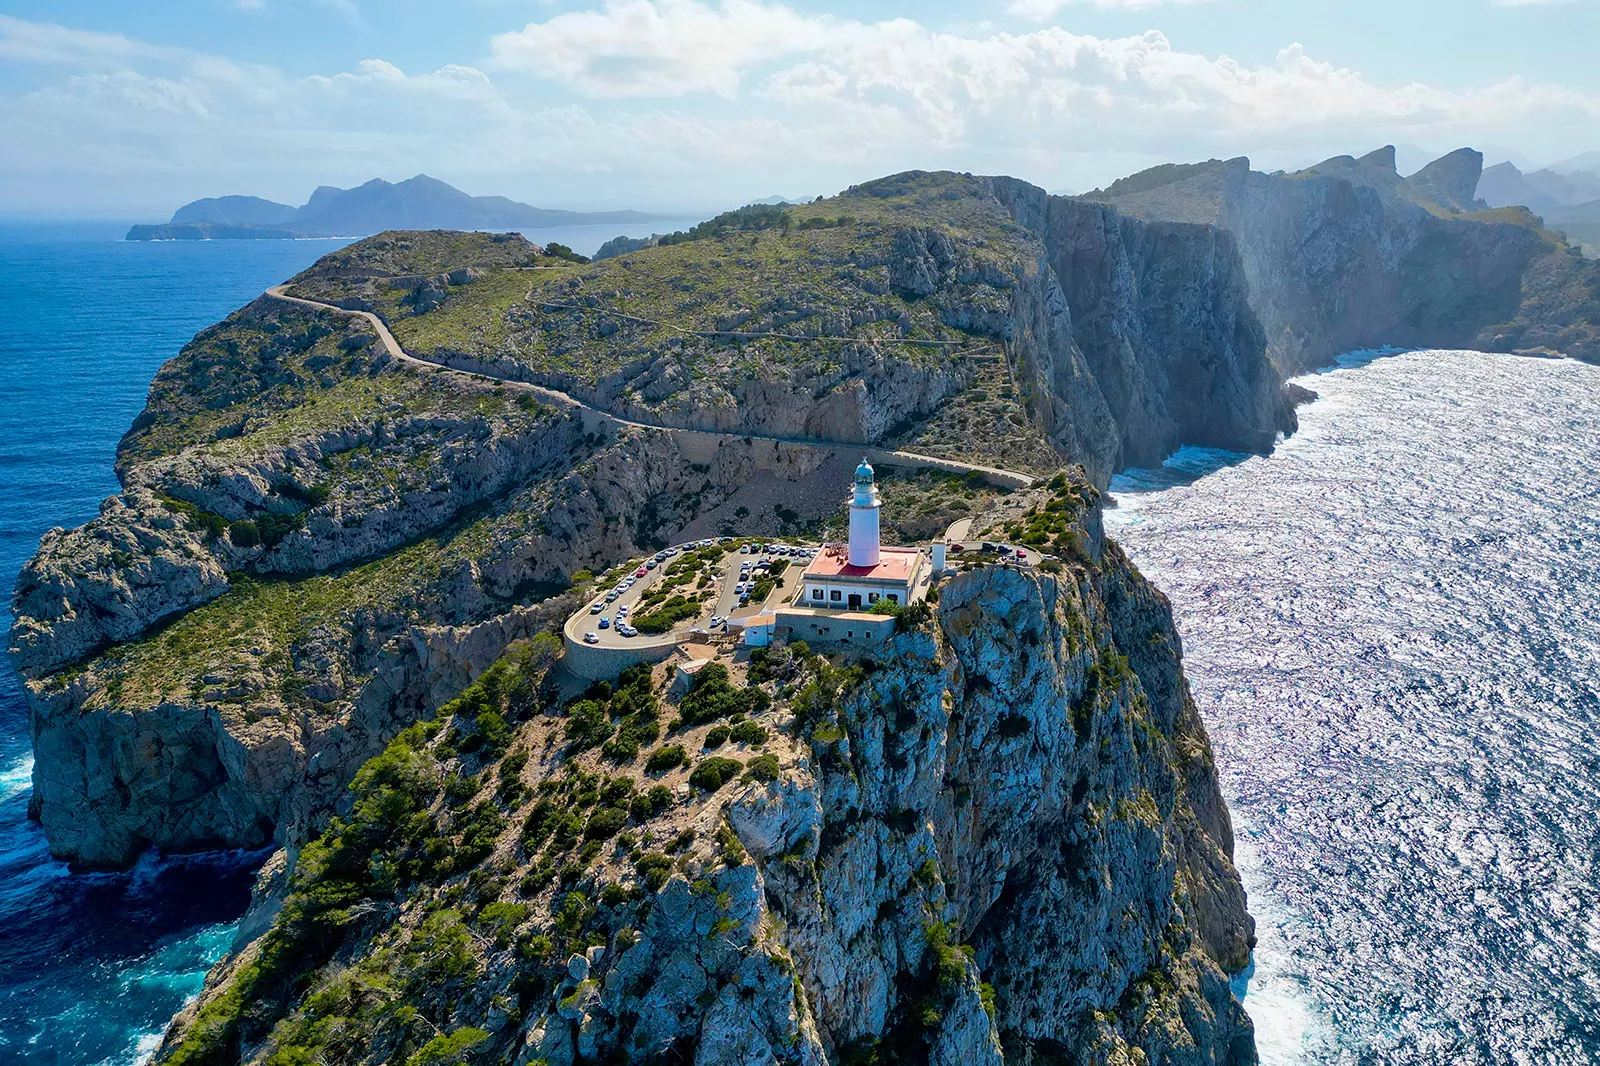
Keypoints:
pixel 1348 254
pixel 1000 840
pixel 320 543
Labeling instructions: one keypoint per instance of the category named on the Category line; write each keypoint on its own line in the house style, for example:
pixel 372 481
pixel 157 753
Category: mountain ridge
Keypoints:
pixel 1349 254
pixel 418 202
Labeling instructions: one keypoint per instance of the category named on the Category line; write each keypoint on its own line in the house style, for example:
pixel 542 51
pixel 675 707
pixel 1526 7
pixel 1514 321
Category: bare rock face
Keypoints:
pixel 1151 341
pixel 109 580
pixel 999 839
pixel 190 774
pixel 1349 255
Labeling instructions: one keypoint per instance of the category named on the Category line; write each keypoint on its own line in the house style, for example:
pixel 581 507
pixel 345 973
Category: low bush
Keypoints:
pixel 748 732
pixel 666 758
pixel 762 768
pixel 711 774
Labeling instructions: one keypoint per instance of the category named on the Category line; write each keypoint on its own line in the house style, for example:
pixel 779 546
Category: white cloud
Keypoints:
pixel 700 102
pixel 1039 10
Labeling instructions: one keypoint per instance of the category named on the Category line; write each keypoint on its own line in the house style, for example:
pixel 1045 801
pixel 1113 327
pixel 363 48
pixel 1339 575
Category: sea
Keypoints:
pixel 92 966
pixel 1390 628
pixel 1388 623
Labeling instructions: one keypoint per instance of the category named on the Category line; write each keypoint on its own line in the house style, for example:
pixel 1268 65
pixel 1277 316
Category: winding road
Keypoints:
pixel 642 648
pixel 1012 478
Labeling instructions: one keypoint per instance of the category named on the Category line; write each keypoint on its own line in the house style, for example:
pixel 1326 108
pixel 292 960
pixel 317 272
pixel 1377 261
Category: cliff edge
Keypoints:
pixel 999 839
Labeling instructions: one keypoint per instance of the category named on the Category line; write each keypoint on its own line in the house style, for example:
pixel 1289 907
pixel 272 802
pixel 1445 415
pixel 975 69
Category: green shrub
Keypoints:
pixel 666 758
pixel 748 732
pixel 647 805
pixel 502 919
pixel 448 1050
pixel 605 823
pixel 655 868
pixel 711 774
pixel 587 723
pixel 561 251
pixel 244 534
pixel 716 736
pixel 713 696
pixel 762 768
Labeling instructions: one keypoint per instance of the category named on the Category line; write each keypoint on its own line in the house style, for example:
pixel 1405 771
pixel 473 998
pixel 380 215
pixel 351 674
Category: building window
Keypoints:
pixel 835 595
pixel 893 598
pixel 872 597
pixel 816 594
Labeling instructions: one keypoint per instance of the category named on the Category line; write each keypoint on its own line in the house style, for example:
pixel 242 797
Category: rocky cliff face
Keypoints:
pixel 1350 255
pixel 1156 342
pixel 1000 840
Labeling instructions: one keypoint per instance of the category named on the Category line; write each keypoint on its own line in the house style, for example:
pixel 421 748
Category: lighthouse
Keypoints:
pixel 864 506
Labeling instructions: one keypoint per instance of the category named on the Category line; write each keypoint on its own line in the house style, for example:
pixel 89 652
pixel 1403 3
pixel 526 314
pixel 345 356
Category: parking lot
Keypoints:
pixel 689 585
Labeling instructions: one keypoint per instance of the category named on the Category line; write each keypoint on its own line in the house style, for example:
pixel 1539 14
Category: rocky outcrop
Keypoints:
pixel 998 841
pixel 192 774
pixel 1152 342
pixel 210 661
pixel 1349 255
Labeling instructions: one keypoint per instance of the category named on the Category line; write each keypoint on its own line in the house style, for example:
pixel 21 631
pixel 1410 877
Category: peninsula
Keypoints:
pixel 894 758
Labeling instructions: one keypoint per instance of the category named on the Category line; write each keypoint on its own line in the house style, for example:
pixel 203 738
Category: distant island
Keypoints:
pixel 416 203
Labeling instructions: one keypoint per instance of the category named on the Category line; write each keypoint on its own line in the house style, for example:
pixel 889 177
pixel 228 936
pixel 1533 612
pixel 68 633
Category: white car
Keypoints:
pixel 596 607
pixel 591 637
pixel 627 630
pixel 744 549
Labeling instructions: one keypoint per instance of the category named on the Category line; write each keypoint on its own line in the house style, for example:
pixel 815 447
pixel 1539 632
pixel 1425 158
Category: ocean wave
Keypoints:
pixel 1388 628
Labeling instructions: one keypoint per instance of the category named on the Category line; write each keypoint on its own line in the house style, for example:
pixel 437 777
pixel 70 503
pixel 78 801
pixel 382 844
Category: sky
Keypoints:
pixel 127 110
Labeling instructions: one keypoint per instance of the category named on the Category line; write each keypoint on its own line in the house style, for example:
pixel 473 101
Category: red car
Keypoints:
pixel 640 572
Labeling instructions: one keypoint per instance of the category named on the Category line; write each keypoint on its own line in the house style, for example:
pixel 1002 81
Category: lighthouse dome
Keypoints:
pixel 864 475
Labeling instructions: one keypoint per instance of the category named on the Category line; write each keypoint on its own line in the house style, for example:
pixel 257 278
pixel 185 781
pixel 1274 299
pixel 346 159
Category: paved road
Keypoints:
pixel 565 400
pixel 582 622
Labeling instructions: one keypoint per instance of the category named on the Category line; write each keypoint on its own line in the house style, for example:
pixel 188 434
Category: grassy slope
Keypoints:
pixel 775 280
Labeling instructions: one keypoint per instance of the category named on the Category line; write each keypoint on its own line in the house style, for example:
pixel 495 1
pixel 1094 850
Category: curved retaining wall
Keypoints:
pixel 604 664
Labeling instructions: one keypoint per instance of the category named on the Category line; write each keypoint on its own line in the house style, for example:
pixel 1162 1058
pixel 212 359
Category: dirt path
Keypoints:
pixel 564 400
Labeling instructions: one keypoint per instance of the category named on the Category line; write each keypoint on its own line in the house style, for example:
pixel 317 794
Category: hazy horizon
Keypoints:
pixel 682 107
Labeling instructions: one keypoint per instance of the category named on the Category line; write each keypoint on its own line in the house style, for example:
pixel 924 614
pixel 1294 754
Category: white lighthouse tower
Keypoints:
pixel 864 505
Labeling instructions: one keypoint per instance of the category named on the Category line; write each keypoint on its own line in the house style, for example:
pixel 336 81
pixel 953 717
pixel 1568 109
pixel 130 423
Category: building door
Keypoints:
pixel 855 601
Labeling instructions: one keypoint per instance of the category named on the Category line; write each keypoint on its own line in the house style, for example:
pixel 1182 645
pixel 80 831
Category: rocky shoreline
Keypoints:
pixel 1005 839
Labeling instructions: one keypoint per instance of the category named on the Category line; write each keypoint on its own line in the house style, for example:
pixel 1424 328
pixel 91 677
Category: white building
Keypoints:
pixel 844 581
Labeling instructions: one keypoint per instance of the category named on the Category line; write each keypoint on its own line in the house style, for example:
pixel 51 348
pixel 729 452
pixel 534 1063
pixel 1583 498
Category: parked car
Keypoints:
pixel 591 637
pixel 643 570
pixel 744 549
pixel 622 612
pixel 611 596
pixel 957 549
pixel 596 607
pixel 627 630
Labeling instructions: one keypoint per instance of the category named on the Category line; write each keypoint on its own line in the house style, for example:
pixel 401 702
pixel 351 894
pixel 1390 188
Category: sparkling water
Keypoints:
pixel 1390 627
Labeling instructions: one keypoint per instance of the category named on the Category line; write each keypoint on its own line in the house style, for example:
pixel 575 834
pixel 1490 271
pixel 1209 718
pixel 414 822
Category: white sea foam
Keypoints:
pixel 16 778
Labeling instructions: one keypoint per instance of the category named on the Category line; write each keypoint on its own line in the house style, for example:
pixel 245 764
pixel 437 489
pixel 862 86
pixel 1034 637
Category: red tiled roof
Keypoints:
pixel 894 564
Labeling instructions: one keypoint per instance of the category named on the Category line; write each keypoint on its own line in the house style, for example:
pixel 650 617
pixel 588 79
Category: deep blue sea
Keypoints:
pixel 93 966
